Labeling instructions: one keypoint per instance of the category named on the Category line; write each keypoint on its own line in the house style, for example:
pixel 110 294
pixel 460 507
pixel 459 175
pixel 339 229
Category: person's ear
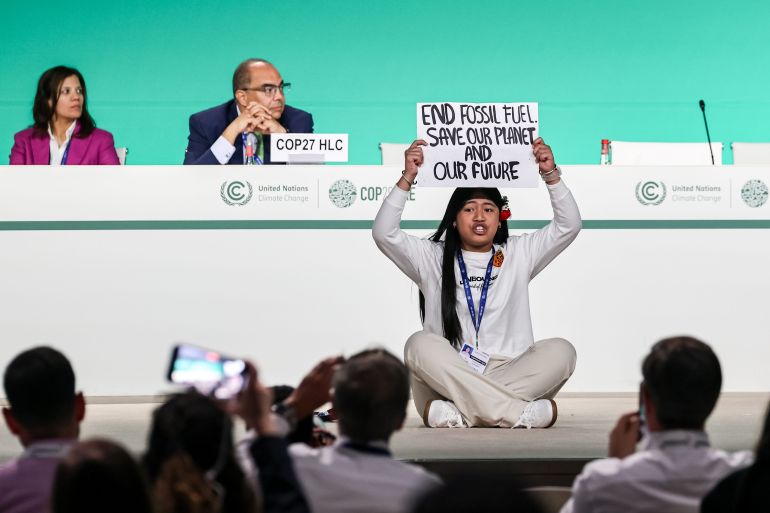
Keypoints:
pixel 13 425
pixel 240 97
pixel 80 407
pixel 644 395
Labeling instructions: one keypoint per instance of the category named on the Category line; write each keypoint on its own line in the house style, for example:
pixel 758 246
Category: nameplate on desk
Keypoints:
pixel 308 148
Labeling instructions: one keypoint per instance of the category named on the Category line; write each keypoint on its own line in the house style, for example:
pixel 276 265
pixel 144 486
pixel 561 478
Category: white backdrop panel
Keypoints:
pixel 115 300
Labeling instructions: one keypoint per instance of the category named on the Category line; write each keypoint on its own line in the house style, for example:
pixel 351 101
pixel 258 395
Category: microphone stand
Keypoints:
pixel 708 136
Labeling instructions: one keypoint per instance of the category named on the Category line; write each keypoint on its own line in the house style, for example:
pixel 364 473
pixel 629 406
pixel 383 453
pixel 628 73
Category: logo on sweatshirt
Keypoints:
pixel 236 193
pixel 754 193
pixel 499 257
pixel 650 193
pixel 342 193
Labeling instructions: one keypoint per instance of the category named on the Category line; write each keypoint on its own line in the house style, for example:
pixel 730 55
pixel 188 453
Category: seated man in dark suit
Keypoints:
pixel 258 106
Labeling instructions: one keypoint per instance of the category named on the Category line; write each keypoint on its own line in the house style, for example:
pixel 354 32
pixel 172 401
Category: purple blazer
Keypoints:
pixel 31 148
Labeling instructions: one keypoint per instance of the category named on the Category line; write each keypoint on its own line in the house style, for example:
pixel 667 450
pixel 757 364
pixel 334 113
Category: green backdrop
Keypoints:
pixel 622 70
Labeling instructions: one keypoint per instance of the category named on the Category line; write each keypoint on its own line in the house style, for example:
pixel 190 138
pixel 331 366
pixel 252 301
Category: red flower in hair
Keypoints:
pixel 505 212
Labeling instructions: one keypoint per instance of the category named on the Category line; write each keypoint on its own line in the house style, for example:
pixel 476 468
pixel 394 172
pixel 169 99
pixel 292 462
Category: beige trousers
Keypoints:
pixel 495 398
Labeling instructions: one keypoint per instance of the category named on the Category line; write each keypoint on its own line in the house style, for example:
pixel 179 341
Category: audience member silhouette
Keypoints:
pixel 98 476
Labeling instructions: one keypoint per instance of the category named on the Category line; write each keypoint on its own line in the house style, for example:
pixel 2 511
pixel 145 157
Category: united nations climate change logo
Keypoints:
pixel 754 193
pixel 235 193
pixel 650 193
pixel 342 193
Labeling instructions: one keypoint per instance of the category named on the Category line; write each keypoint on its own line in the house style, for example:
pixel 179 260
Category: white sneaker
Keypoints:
pixel 538 414
pixel 441 414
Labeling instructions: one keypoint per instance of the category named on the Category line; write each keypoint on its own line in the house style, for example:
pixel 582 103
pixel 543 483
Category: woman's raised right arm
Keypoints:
pixel 402 249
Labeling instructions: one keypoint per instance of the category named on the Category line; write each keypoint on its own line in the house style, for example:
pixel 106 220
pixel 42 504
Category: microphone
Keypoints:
pixel 708 136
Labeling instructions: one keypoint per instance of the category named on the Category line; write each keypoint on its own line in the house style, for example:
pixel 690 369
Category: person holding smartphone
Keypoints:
pixel 675 465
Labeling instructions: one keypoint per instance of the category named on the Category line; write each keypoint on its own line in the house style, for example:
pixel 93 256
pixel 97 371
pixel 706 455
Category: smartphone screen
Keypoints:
pixel 209 372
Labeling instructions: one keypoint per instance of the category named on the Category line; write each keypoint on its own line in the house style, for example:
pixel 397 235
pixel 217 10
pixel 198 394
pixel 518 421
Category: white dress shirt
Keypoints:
pixel 343 479
pixel 57 152
pixel 223 150
pixel 670 474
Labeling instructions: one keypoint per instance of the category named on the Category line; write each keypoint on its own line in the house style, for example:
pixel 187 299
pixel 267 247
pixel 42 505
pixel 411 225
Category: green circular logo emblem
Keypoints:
pixel 754 193
pixel 650 193
pixel 236 193
pixel 342 193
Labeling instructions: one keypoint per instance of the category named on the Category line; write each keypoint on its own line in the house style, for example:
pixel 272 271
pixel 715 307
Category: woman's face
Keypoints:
pixel 70 103
pixel 477 224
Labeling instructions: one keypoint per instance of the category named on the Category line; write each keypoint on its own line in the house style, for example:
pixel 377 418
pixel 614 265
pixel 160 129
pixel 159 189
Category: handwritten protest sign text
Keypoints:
pixel 472 144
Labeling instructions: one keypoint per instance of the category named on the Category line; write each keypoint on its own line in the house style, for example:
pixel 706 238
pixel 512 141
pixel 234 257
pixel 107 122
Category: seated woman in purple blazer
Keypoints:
pixel 64 132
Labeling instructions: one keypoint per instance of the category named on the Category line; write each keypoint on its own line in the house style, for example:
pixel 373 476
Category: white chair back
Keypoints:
pixel 664 154
pixel 393 153
pixel 122 153
pixel 751 154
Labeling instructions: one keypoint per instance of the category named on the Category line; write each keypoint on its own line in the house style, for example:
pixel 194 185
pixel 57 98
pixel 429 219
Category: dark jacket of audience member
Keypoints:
pixel 44 413
pixel 190 459
pixel 747 489
pixel 97 476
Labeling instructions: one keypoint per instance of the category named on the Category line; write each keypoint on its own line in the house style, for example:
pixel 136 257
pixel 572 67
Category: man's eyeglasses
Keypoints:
pixel 269 90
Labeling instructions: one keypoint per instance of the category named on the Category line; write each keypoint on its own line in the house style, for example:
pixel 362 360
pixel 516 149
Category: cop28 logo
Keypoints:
pixel 650 193
pixel 754 193
pixel 342 193
pixel 236 193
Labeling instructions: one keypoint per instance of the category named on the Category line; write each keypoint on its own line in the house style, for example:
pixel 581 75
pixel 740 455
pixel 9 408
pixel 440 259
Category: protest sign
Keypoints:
pixel 478 144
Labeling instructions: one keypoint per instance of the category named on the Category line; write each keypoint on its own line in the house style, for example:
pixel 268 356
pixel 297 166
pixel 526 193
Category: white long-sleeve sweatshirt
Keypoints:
pixel 506 327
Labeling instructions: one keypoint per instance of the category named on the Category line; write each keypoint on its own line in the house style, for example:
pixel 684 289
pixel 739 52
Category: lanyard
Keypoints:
pixel 484 290
pixel 245 139
pixel 66 153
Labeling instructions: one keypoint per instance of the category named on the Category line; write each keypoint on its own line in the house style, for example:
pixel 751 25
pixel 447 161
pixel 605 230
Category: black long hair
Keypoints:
pixel 448 234
pixel 48 92
pixel 190 448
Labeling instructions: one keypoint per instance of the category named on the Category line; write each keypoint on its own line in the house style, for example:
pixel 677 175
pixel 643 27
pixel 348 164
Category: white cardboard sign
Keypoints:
pixel 478 144
pixel 308 148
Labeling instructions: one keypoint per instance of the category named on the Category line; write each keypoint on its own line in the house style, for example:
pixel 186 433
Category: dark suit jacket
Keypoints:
pixel 208 125
pixel 281 490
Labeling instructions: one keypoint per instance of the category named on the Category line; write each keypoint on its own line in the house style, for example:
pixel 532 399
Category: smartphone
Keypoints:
pixel 642 414
pixel 209 372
